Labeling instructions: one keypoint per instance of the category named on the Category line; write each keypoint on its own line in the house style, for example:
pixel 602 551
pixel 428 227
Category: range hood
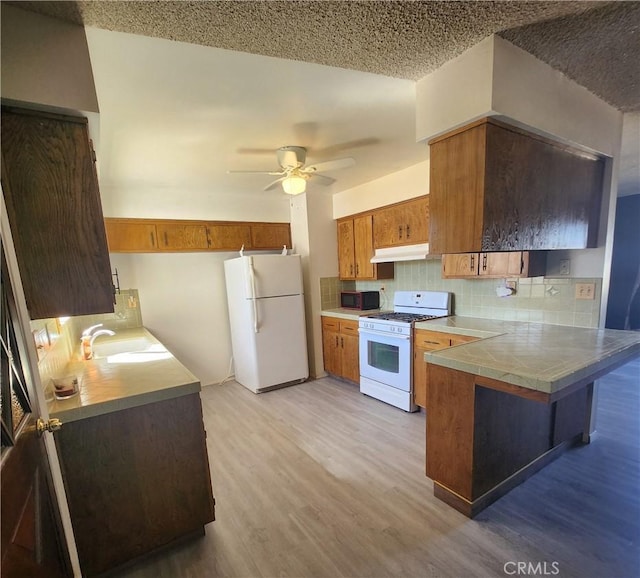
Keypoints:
pixel 404 253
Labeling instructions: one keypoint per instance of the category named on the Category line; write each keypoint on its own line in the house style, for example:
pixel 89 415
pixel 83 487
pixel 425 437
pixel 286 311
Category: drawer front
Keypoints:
pixel 331 324
pixel 349 327
pixel 431 340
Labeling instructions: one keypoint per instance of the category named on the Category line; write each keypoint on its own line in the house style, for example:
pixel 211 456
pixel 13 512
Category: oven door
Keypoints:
pixel 386 358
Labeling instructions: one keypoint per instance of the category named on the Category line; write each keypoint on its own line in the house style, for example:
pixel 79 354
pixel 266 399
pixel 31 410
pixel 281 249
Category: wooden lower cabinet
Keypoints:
pixel 340 345
pixel 494 265
pixel 136 480
pixel 425 340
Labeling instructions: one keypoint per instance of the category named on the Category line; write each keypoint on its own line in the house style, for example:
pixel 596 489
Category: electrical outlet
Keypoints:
pixel 585 290
pixel 565 266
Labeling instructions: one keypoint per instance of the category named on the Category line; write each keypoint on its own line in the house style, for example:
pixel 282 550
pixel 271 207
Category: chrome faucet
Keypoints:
pixel 88 338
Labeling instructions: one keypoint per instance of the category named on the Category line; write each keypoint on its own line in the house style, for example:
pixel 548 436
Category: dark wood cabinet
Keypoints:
pixel 136 480
pixel 495 187
pixel 53 204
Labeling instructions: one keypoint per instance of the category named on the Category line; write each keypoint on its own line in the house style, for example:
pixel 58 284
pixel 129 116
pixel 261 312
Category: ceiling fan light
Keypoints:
pixel 294 185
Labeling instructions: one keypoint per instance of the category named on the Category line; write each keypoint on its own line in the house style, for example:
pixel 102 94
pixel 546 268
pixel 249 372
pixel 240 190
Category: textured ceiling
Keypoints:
pixel 597 44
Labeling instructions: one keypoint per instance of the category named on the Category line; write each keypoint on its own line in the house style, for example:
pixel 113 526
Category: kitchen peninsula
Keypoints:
pixel 502 407
pixel 133 452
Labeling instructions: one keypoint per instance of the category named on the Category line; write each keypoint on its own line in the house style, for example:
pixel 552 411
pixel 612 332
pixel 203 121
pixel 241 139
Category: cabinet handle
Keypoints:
pixel 473 261
pixel 153 239
pixel 484 261
pixel 342 342
pixel 166 239
pixel 357 270
pixel 336 341
pixel 351 269
pixel 408 232
pixel 400 232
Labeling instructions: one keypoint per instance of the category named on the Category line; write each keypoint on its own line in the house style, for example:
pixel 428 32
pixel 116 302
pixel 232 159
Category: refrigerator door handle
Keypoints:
pixel 254 301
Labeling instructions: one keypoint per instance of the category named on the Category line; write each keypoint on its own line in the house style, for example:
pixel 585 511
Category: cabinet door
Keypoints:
pixel 460 265
pixel 124 236
pixel 416 218
pixel 389 227
pixel 270 236
pixel 53 205
pixel 136 480
pixel 346 249
pixel 363 246
pixel 350 357
pixel 331 352
pixel 419 377
pixel 349 344
pixel 178 237
pixel 512 264
pixel 230 237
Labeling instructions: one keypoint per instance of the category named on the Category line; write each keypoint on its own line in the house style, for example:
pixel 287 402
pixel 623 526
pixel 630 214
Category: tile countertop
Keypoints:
pixel 132 369
pixel 344 313
pixel 535 356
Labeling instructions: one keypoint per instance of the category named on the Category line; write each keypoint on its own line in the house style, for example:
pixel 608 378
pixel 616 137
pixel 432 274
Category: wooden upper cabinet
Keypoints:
pixel 346 249
pixel 53 205
pixel 406 223
pixel 229 236
pixel 270 235
pixel 363 246
pixel 150 235
pixel 495 187
pixel 506 264
pixel 181 237
pixel 131 235
pixel 355 249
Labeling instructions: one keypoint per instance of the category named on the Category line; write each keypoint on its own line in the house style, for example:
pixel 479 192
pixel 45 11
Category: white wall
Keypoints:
pixel 315 238
pixel 399 186
pixel 182 295
pixel 45 61
pixel 457 92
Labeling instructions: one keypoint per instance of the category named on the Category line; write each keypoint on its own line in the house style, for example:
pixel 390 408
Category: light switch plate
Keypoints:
pixel 585 290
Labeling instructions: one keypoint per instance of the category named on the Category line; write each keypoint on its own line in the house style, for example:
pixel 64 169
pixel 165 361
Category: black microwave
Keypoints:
pixel 360 299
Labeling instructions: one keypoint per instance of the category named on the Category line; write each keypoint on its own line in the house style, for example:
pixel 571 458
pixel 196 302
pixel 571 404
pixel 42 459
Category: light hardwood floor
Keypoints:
pixel 318 480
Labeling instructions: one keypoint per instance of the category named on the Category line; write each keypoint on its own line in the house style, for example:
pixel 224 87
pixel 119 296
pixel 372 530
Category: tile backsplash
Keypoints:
pixel 58 340
pixel 537 299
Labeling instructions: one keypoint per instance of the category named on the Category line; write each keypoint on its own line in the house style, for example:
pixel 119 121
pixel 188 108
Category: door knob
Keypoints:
pixel 51 425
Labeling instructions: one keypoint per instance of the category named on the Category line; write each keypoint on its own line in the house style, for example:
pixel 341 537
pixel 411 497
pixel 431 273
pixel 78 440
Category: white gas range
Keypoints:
pixel 386 345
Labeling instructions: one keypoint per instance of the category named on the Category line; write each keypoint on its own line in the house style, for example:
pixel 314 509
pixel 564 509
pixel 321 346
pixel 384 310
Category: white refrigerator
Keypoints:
pixel 266 314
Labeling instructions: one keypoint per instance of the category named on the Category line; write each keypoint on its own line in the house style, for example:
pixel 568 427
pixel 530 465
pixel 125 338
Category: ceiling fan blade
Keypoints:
pixel 254 151
pixel 330 165
pixel 274 184
pixel 344 146
pixel 322 179
pixel 256 173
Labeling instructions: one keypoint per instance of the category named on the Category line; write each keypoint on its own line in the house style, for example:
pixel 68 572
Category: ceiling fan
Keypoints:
pixel 294 174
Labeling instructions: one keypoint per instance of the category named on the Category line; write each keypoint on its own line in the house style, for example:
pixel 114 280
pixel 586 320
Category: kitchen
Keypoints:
pixel 190 277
